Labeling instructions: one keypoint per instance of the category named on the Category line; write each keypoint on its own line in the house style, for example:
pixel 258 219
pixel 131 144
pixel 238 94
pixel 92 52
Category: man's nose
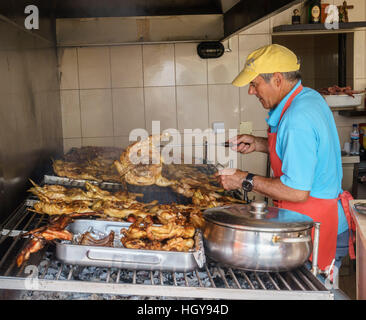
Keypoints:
pixel 251 90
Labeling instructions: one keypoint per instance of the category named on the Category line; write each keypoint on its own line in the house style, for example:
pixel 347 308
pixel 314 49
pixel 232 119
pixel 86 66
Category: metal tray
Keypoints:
pixel 120 257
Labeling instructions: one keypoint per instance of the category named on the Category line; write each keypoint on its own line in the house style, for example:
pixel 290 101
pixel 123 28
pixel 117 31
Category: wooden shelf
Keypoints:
pixel 318 27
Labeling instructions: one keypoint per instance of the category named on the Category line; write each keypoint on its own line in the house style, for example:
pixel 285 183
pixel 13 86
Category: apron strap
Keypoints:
pixel 345 197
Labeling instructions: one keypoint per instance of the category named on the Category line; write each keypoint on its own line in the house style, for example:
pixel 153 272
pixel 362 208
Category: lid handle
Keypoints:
pixel 258 209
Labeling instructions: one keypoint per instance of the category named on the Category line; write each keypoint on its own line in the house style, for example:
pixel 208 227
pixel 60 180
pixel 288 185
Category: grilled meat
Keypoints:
pixel 34 245
pixel 88 239
pixel 178 244
pixel 169 231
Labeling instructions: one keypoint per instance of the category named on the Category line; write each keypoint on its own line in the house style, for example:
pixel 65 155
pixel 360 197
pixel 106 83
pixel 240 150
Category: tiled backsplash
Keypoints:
pixel 106 91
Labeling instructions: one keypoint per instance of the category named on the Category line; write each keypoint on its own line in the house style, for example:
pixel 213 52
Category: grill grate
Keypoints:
pixel 213 281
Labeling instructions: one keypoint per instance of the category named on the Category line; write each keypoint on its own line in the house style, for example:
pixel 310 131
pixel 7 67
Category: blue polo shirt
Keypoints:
pixel 309 148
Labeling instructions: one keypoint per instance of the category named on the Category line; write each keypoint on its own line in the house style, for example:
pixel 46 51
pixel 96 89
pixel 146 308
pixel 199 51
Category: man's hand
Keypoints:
pixel 244 143
pixel 247 143
pixel 231 179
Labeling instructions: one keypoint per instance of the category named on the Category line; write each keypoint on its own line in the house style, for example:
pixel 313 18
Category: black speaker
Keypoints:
pixel 210 49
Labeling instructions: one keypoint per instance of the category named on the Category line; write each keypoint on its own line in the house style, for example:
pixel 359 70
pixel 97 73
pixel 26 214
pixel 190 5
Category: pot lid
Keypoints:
pixel 257 217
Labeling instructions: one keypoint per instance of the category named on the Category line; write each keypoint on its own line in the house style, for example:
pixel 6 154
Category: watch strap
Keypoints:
pixel 250 177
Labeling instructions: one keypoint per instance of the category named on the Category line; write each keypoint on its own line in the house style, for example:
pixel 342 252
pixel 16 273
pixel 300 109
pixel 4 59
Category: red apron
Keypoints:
pixel 324 211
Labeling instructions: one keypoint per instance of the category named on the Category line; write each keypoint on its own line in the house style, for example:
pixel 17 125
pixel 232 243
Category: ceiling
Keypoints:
pixel 237 14
pixel 116 8
pixel 126 8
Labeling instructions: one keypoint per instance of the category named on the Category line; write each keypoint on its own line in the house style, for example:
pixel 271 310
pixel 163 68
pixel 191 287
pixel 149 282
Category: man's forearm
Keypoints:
pixel 275 189
pixel 261 144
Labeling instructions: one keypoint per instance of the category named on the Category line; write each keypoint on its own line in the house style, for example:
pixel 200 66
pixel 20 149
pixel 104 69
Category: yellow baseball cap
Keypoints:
pixel 268 59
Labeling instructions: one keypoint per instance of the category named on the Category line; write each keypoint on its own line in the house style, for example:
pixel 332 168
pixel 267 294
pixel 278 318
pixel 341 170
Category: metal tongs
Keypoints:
pixel 225 144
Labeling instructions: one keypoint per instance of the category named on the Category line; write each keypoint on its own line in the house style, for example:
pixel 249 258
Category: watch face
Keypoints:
pixel 247 186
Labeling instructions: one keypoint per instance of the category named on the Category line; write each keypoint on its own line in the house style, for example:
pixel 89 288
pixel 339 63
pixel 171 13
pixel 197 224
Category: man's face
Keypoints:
pixel 267 93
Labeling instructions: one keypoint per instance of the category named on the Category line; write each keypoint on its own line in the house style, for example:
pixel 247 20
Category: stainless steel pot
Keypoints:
pixel 253 237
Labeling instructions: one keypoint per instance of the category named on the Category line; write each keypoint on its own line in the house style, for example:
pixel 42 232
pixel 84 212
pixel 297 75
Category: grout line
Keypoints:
pixel 77 70
pixel 175 87
pixel 143 84
pixel 241 114
pixel 208 96
pixel 111 93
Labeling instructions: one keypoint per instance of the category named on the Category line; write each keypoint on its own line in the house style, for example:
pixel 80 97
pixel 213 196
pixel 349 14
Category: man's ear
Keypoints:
pixel 277 79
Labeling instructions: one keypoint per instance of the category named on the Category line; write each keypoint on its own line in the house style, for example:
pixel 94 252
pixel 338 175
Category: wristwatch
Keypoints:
pixel 247 183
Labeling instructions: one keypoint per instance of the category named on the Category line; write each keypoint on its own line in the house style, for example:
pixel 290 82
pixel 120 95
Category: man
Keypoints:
pixel 303 148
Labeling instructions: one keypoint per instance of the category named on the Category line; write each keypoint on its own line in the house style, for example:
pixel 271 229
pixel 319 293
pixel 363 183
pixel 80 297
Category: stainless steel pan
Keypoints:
pixel 256 238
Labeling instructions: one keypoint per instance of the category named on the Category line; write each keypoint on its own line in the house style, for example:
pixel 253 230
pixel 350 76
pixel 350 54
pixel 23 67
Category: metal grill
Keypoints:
pixel 43 272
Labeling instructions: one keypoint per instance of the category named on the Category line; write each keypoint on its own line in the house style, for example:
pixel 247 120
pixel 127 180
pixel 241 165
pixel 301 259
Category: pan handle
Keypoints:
pixel 277 239
pixel 95 254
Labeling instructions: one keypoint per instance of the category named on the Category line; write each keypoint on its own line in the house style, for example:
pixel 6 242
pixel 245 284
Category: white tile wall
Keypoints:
pixel 70 109
pixel 68 63
pixel 224 69
pixel 94 67
pixel 158 64
pixel 192 107
pixel 96 113
pixel 224 105
pixel 128 110
pixel 160 104
pixel 190 68
pixel 126 66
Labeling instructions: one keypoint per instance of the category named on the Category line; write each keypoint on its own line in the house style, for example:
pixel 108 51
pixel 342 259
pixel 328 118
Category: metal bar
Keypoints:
pixel 118 275
pixel 45 269
pixel 5 233
pixel 14 228
pixel 314 268
pixel 12 217
pixel 161 278
pixel 209 276
pixel 151 278
pixel 134 277
pixel 247 279
pixel 305 279
pixel 108 275
pixel 272 281
pixel 222 275
pixel 198 278
pixel 185 279
pixel 296 281
pixel 234 278
pixel 167 291
pixel 70 273
pixel 59 271
pixel 174 279
pixel 284 281
pixel 260 281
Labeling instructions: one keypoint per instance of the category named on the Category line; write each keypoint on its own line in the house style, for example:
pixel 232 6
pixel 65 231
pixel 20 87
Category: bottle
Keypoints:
pixel 314 11
pixel 355 141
